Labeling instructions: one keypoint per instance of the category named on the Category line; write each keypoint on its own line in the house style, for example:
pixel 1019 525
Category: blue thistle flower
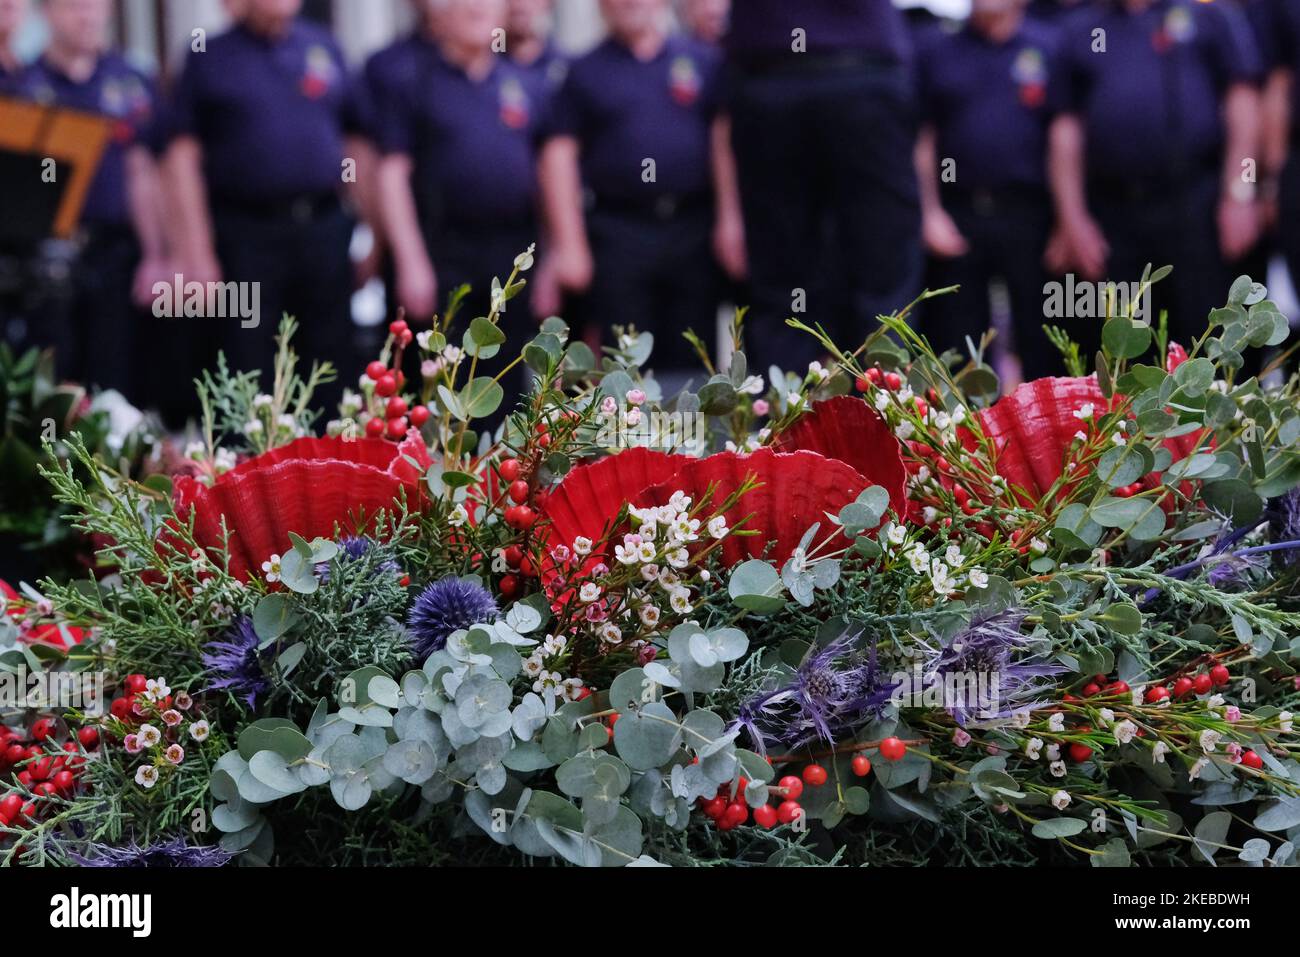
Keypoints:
pixel 833 692
pixel 234 664
pixel 988 670
pixel 447 605
pixel 353 548
pixel 170 853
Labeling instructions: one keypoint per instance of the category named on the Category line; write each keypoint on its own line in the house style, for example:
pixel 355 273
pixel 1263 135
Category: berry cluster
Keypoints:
pixel 42 765
pixel 399 417
pixel 1182 687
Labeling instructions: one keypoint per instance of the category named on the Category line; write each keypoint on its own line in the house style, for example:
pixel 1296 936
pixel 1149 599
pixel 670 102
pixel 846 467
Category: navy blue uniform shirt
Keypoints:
pixel 988 103
pixel 473 142
pixel 765 28
pixel 1152 103
pixel 389 74
pixel 270 113
pixel 548 71
pixel 117 91
pixel 624 111
pixel 1285 18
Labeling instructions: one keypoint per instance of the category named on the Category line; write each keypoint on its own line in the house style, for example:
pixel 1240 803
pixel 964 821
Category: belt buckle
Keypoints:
pixel 301 210
pixel 666 206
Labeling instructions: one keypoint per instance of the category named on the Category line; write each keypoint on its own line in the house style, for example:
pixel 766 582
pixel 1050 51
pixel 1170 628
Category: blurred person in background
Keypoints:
pixel 1281 157
pixel 458 190
pixel 528 40
pixel 628 186
pixel 706 19
pixel 12 15
pixel 121 238
pixel 256 167
pixel 822 124
pixel 1148 158
pixel 981 166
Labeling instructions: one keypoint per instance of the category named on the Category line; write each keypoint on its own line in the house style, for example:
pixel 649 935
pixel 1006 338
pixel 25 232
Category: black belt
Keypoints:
pixel 305 208
pixel 663 208
pixel 836 61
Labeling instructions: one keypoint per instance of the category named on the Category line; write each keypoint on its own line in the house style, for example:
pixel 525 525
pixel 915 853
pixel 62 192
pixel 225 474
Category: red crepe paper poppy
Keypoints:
pixel 41 634
pixel 307 487
pixel 828 457
pixel 796 490
pixel 1033 428
pixel 849 430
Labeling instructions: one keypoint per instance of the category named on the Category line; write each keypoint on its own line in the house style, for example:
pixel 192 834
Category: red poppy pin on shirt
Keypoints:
pixel 684 81
pixel 514 105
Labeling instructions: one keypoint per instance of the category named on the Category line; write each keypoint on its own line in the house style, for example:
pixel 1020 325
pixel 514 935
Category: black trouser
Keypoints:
pixel 657 273
pixel 1166 224
pixel 300 258
pixel 1289 216
pixel 473 254
pixel 1006 231
pixel 100 343
pixel 824 154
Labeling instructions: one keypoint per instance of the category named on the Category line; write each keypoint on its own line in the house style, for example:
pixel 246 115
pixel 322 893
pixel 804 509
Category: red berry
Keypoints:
pixel 1091 689
pixel 398 326
pixel 525 517
pixel 14 753
pixel 509 586
pixel 514 555
pixel 46 789
pixel 863 385
pixel 893 381
pixel 526 567
pixel 41 768
pixel 419 416
pixel 42 729
pixel 874 375
pixel 544 441
pixel 893 749
pixel 397 428
pixel 386 385
pixel 376 371
pixel 1080 753
pixel 375 427
pixel 1220 675
pixel 64 781
pixel 765 816
pixel 1201 684
pixel 25 779
pixel 814 775
pixel 737 812
pixel 1118 688
pixel 89 738
pixel 791 787
pixel 1252 760
pixel 509 469
pixel 788 812
pixel 542 428
pixel 136 684
pixel 1158 693
pixel 861 765
pixel 519 491
pixel 396 407
pixel 1182 687
pixel 13 803
pixel 715 807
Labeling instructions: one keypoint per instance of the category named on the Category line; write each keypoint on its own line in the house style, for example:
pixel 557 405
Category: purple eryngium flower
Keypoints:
pixel 833 692
pixel 352 548
pixel 445 606
pixel 171 853
pixel 984 671
pixel 234 664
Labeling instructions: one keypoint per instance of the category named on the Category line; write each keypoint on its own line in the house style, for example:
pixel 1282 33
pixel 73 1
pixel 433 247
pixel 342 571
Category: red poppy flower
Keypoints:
pixel 1033 429
pixel 819 465
pixel 307 487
